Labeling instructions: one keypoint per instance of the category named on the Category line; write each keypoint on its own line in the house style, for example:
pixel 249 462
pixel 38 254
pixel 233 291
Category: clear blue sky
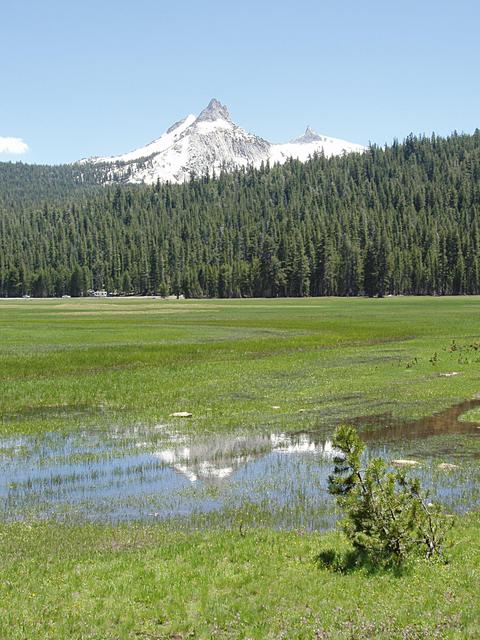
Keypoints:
pixel 105 76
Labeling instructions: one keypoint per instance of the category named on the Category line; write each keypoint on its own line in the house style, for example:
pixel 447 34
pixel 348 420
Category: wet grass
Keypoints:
pixel 280 478
pixel 143 475
pixel 471 416
pixel 152 582
pixel 225 506
pixel 67 364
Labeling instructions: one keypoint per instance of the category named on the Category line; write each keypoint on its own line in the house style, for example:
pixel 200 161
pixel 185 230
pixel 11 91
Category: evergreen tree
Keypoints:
pixel 394 220
pixel 77 283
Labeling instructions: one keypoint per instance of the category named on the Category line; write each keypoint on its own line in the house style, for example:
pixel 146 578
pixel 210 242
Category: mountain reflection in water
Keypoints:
pixel 219 458
pixel 130 474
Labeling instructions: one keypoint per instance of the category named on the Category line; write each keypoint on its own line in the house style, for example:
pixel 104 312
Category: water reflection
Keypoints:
pixel 219 457
pixel 142 473
pixel 442 423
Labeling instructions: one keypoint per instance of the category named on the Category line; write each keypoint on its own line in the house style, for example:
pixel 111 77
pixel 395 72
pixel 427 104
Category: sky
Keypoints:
pixel 106 76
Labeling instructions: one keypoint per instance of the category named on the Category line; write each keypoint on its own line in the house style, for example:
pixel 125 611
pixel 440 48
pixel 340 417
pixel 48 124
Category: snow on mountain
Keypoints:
pixel 166 140
pixel 211 142
pixel 310 143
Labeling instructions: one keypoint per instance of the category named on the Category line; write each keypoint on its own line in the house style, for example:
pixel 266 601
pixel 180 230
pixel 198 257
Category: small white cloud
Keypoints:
pixel 13 145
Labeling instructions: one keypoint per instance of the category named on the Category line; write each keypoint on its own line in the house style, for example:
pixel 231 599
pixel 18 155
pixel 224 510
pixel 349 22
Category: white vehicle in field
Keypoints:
pixel 100 293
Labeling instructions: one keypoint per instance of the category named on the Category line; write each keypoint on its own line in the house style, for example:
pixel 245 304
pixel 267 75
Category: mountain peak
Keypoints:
pixel 215 110
pixel 309 136
pixel 211 142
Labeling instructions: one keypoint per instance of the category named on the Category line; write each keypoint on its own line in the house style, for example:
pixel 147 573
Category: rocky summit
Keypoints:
pixel 211 142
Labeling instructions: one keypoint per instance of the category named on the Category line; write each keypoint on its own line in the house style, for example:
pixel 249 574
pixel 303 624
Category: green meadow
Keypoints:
pixel 68 363
pixel 152 582
pixel 249 367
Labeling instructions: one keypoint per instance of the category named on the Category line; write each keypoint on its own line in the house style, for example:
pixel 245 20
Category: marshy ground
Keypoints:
pixel 116 515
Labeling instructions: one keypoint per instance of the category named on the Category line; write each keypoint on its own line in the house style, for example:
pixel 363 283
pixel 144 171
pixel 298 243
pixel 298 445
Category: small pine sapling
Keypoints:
pixel 387 515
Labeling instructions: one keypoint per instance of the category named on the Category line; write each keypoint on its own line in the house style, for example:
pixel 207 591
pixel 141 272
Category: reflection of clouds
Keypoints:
pixel 220 458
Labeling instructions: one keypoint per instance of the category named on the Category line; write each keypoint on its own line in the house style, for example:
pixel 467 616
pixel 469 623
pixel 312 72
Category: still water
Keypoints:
pixel 273 478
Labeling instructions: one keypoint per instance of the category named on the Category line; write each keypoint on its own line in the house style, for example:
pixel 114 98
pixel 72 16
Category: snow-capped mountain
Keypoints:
pixel 211 142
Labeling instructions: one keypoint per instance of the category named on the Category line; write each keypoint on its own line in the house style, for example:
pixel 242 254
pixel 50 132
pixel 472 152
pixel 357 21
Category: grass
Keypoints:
pixel 471 416
pixel 105 583
pixel 71 363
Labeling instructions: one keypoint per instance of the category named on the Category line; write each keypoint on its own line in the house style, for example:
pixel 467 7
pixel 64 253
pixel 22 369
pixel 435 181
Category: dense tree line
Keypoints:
pixel 403 219
pixel 27 184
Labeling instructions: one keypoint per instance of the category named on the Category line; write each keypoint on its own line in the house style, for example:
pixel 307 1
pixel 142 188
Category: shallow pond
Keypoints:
pixel 279 479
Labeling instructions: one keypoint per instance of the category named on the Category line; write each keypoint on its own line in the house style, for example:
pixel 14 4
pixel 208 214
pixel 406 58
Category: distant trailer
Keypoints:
pixel 101 293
